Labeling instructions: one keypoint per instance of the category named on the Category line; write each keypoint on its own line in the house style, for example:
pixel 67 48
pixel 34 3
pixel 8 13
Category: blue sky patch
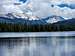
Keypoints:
pixel 72 6
pixel 23 1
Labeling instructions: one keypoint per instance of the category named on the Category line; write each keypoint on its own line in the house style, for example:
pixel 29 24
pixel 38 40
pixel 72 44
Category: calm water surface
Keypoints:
pixel 49 45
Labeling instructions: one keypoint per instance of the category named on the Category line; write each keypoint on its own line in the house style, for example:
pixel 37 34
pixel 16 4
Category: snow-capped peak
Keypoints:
pixel 51 19
pixel 54 19
pixel 20 15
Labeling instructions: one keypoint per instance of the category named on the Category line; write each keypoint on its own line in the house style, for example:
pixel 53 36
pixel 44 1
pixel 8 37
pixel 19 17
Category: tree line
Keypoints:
pixel 9 27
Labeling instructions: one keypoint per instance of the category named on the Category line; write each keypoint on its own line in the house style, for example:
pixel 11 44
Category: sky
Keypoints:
pixel 39 8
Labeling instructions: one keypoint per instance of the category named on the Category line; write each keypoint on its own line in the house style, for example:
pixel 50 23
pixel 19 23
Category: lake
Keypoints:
pixel 37 44
pixel 36 34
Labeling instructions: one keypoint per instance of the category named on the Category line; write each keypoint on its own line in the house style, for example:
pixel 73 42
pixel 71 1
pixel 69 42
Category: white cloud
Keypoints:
pixel 7 6
pixel 42 8
pixel 39 8
pixel 69 1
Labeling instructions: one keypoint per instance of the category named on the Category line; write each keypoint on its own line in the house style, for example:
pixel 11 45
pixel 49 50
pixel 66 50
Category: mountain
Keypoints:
pixel 67 22
pixel 23 19
pixel 54 19
pixel 67 25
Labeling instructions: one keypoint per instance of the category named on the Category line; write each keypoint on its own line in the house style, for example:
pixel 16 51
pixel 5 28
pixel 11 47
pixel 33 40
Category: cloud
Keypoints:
pixel 7 6
pixel 43 8
pixel 69 1
pixel 39 8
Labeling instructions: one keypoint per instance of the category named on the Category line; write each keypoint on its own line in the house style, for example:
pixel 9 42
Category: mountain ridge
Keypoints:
pixel 70 21
pixel 12 19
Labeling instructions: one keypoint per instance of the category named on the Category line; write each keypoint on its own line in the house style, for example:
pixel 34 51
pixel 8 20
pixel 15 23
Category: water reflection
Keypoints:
pixel 40 46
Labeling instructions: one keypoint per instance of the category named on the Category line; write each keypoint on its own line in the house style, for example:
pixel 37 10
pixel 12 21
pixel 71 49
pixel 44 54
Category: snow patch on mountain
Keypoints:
pixel 54 19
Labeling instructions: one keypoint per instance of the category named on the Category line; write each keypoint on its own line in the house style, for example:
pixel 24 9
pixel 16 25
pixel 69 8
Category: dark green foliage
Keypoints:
pixel 35 28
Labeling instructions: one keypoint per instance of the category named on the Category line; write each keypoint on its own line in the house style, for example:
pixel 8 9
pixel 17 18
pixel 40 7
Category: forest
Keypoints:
pixel 9 27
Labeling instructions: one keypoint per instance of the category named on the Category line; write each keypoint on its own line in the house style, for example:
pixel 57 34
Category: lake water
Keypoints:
pixel 36 34
pixel 37 44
